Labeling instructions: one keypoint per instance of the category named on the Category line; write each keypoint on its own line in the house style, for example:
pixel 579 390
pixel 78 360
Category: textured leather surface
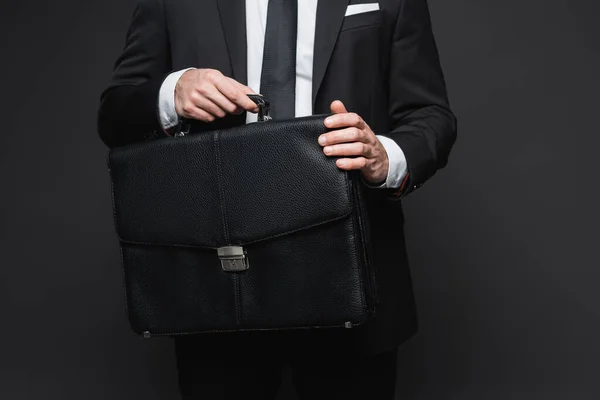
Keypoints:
pixel 266 186
pixel 232 186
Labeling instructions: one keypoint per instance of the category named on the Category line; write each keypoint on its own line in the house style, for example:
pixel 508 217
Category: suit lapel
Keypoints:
pixel 233 20
pixel 330 16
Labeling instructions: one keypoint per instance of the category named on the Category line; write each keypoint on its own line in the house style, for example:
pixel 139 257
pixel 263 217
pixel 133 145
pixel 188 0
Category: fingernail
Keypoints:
pixel 327 150
pixel 327 121
pixel 341 163
pixel 322 140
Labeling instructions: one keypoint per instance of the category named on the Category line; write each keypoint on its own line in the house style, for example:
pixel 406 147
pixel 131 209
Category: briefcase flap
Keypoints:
pixel 230 187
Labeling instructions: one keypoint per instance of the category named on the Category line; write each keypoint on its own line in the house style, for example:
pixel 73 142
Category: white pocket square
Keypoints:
pixel 361 8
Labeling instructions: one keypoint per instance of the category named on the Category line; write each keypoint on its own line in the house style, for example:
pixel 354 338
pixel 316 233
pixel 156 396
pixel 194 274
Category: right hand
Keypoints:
pixel 207 94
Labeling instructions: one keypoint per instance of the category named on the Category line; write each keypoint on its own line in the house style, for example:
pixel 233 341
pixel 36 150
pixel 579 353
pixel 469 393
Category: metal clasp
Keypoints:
pixel 183 128
pixel 263 107
pixel 233 258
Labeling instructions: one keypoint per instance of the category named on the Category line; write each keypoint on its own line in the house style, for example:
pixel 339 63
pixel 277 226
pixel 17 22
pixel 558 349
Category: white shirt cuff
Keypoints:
pixel 397 168
pixel 166 100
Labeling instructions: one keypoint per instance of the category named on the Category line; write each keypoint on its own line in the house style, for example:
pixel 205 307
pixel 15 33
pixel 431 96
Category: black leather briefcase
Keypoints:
pixel 247 228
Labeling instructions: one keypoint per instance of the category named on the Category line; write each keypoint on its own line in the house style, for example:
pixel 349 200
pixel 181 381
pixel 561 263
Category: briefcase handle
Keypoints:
pixel 263 115
pixel 263 107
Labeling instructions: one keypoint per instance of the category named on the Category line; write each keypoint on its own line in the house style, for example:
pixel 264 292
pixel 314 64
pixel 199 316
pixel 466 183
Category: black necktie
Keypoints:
pixel 278 77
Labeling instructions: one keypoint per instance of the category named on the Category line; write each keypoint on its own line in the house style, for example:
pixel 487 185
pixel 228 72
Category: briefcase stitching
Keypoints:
pixel 369 272
pixel 222 201
pixel 122 257
pixel 220 185
pixel 288 328
pixel 236 289
pixel 345 215
pixel 360 275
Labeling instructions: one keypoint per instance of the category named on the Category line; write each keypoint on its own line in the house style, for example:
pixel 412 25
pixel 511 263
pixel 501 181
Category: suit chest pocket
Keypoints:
pixel 361 20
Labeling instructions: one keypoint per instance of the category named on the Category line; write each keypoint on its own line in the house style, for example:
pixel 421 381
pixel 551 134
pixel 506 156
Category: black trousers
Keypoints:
pixel 236 371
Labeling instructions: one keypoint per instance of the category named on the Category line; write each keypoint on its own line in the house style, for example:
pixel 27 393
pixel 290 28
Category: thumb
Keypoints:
pixel 337 107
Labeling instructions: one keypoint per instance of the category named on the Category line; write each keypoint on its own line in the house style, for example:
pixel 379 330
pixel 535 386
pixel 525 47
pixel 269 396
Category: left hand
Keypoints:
pixel 353 138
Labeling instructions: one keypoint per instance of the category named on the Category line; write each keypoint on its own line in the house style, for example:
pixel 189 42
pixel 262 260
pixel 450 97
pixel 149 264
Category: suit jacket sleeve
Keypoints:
pixel 421 120
pixel 128 106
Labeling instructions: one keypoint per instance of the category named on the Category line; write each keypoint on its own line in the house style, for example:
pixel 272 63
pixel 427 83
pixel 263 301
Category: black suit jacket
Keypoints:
pixel 382 64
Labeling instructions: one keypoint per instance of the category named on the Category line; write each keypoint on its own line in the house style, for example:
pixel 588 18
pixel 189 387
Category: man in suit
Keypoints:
pixel 374 66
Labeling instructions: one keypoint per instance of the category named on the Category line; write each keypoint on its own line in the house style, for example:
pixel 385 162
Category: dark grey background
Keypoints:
pixel 502 242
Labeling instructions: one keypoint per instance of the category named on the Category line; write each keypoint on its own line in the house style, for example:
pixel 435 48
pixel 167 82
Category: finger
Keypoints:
pixel 348 149
pixel 204 103
pixel 343 136
pixel 337 107
pixel 224 103
pixel 348 164
pixel 194 112
pixel 345 120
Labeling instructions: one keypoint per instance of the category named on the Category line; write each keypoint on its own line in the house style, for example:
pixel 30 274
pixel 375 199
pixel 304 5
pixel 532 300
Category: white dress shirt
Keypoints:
pixel 256 23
